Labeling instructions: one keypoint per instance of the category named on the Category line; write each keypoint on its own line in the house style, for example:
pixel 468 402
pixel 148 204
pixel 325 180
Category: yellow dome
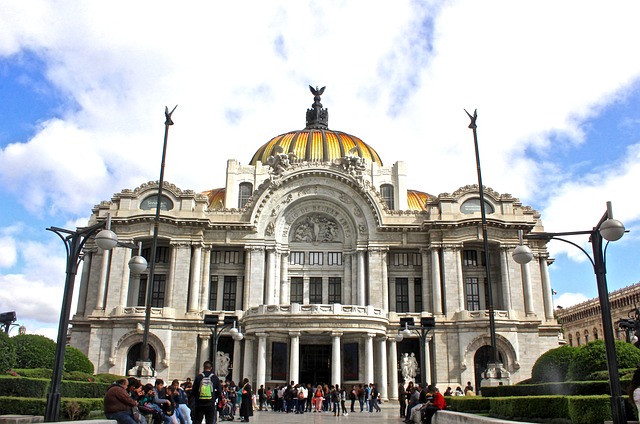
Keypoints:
pixel 417 200
pixel 317 143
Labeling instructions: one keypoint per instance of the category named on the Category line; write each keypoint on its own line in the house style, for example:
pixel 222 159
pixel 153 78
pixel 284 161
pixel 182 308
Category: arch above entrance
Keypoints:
pixel 505 349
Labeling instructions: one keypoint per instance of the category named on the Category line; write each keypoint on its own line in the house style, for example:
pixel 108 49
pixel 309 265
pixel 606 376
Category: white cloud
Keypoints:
pixel 8 254
pixel 566 300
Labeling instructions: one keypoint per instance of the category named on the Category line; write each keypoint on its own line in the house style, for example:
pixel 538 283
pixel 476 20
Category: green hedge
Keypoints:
pixel 587 410
pixel 38 387
pixel 529 407
pixel 70 408
pixel 568 388
pixel 7 352
pixel 468 403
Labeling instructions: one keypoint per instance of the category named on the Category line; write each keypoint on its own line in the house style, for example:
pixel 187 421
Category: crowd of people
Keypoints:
pixel 419 403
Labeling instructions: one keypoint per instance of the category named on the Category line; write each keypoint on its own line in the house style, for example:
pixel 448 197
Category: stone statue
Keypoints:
pixel 222 364
pixel 352 163
pixel 409 366
pixel 280 161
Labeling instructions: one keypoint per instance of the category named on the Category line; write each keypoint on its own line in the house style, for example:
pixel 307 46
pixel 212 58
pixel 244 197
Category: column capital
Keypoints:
pixel 294 333
pixel 383 338
pixel 452 246
pixel 371 335
pixel 198 243
pixel 253 248
pixel 392 339
pixel 262 335
pixel 337 334
pixel 180 245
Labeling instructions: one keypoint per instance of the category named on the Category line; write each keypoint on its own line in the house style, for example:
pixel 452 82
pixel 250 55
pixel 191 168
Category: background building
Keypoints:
pixel 319 249
pixel 582 323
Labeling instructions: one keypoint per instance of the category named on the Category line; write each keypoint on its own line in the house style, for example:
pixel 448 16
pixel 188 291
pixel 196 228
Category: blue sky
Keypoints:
pixel 84 86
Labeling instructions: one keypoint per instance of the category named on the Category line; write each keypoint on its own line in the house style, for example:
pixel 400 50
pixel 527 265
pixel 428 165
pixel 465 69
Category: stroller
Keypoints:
pixel 226 412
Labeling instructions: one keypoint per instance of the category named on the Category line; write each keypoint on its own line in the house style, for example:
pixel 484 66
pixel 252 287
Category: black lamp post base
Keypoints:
pixel 495 375
pixel 143 372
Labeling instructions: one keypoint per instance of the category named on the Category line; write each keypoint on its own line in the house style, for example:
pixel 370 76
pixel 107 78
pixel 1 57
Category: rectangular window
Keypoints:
pixel 400 259
pixel 157 290
pixel 417 284
pixel 296 258
pixel 334 258
pixel 402 295
pixel 386 190
pixel 469 258
pixel 315 289
pixel 315 258
pixel 229 293
pixel 473 293
pixel 213 293
pixel 231 257
pixel 215 256
pixel 335 290
pixel 416 259
pixel 297 290
pixel 162 254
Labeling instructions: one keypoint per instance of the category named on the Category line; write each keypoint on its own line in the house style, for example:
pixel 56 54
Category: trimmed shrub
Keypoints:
pixel 529 407
pixel 108 378
pixel 7 352
pixel 34 351
pixel 591 409
pixel 75 360
pixel 468 403
pixel 568 388
pixel 33 406
pixel 23 387
pixel 592 357
pixel 81 389
pixel 35 372
pixel 553 365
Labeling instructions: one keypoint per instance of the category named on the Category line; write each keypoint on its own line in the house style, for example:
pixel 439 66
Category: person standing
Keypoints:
pixel 118 404
pixel 246 407
pixel 402 399
pixel 206 389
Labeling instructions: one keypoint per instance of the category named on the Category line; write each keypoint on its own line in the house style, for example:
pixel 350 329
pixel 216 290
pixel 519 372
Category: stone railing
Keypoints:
pixel 139 311
pixel 316 309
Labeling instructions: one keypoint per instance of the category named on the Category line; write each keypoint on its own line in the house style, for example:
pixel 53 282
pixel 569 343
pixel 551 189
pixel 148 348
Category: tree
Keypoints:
pixel 7 352
pixel 553 365
pixel 592 357
pixel 34 351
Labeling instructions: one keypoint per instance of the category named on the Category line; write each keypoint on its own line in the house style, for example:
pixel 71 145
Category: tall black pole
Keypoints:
pixel 74 241
pixel 485 241
pixel 618 411
pixel 156 224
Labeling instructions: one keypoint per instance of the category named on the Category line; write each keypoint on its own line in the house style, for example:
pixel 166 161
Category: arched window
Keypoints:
pixel 595 333
pixel 244 193
pixel 386 190
pixel 578 339
pixel 586 336
pixel 570 340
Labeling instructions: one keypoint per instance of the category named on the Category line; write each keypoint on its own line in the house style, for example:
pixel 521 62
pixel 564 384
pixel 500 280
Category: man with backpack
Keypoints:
pixel 206 390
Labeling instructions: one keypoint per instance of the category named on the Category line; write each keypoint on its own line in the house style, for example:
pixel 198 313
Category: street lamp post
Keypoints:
pixel 228 322
pixel 494 372
pixel 74 242
pixel 609 229
pixel 143 365
pixel 408 327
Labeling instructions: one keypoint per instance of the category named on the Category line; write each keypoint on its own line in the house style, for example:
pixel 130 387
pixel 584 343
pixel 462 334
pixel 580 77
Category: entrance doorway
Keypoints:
pixel 480 360
pixel 315 364
pixel 134 355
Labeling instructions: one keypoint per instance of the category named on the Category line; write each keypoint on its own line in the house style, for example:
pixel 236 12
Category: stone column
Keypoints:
pixel 102 281
pixel 171 278
pixel 526 285
pixel 284 278
pixel 84 281
pixel 361 279
pixel 237 354
pixel 270 286
pixel 427 301
pixel 253 293
pixel 294 357
pixel 383 367
pixel 461 298
pixel 194 287
pixel 393 368
pixel 179 275
pixel 336 364
pixel 203 353
pixel 125 279
pixel 506 288
pixel 205 278
pixel 261 371
pixel 248 365
pixel 368 358
pixel 435 280
pixel 384 262
pixel 546 287
pixel 427 360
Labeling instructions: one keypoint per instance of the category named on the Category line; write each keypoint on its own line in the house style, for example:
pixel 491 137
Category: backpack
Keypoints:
pixel 206 388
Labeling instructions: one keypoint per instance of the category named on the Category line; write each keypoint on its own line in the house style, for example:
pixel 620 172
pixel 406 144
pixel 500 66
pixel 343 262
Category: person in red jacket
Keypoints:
pixel 118 403
pixel 438 403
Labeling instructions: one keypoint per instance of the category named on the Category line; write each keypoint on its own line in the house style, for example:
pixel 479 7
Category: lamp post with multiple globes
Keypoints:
pixel 74 243
pixel 609 229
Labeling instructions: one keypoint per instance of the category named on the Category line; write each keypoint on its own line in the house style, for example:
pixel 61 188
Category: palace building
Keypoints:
pixel 319 251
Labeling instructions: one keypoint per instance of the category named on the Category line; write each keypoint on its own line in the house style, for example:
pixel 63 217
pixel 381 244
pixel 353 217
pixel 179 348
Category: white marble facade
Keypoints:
pixel 319 271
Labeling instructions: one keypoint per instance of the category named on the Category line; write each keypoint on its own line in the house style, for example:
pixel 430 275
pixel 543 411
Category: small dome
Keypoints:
pixel 317 143
pixel 417 200
pixel 216 198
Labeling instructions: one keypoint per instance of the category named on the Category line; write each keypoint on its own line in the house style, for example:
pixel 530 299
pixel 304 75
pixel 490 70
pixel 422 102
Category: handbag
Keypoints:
pixel 135 411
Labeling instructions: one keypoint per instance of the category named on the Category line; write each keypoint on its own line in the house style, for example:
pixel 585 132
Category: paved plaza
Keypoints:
pixel 390 414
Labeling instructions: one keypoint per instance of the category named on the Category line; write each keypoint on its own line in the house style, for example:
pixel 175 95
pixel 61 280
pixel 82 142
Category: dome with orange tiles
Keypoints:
pixel 316 142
